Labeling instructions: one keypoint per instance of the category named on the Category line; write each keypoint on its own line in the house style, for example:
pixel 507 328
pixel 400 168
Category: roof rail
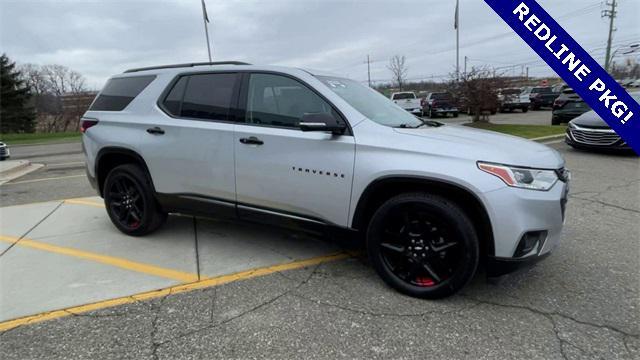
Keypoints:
pixel 187 65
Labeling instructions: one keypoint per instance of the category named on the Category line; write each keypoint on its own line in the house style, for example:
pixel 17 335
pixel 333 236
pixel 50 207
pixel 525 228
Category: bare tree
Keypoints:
pixel 57 92
pixel 477 91
pixel 397 66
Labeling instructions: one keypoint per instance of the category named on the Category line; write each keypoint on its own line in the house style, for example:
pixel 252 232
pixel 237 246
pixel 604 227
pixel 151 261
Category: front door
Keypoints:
pixel 283 169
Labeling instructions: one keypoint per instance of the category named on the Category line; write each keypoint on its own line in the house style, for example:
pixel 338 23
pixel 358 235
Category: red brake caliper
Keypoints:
pixel 425 281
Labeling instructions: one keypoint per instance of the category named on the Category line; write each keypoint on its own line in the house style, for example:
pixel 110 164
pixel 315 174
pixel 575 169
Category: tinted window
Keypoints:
pixel 208 96
pixel 402 96
pixel 119 92
pixel 541 90
pixel 280 101
pixel 173 101
pixel 440 96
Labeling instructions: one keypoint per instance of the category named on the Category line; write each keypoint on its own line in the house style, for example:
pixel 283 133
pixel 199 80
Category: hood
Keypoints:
pixel 482 145
pixel 590 119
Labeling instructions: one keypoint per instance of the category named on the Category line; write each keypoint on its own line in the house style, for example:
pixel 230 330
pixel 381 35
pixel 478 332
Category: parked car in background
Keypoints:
pixel 589 131
pixel 4 151
pixel 541 96
pixel 568 106
pixel 441 103
pixel 513 98
pixel 408 101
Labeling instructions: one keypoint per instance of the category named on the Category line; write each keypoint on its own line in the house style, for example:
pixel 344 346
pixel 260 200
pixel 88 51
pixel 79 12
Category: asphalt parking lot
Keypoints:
pixel 75 288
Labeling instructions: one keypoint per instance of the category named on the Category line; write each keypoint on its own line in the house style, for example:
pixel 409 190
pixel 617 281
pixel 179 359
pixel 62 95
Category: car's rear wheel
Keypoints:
pixel 525 109
pixel 455 114
pixel 128 197
pixel 423 245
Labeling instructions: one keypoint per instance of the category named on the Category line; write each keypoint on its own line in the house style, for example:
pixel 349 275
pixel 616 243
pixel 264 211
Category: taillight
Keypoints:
pixel 85 124
pixel 434 103
pixel 559 103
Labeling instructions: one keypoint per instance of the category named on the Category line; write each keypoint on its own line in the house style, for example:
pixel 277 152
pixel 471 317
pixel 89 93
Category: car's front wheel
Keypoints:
pixel 128 197
pixel 423 245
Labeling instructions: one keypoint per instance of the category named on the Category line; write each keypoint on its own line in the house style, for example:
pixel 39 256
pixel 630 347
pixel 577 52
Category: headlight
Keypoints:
pixel 534 179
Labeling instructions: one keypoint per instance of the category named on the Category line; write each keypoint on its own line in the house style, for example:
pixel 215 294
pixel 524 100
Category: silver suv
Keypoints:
pixel 317 151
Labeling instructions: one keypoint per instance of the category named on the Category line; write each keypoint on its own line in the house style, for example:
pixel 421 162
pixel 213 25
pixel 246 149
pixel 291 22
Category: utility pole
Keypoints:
pixel 611 14
pixel 465 65
pixel 369 70
pixel 456 26
pixel 527 74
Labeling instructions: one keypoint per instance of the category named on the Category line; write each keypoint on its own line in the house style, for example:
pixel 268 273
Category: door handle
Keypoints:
pixel 155 131
pixel 252 140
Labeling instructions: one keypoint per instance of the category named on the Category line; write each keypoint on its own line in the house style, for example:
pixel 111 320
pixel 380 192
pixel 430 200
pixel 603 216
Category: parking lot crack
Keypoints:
pixel 154 325
pixel 31 229
pixel 256 308
pixel 565 316
pixel 605 204
pixel 382 314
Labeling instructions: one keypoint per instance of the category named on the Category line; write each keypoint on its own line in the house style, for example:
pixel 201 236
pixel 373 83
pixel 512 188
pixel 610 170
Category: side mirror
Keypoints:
pixel 322 122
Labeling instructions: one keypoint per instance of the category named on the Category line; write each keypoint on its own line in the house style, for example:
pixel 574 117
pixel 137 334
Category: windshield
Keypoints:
pixel 371 103
pixel 402 96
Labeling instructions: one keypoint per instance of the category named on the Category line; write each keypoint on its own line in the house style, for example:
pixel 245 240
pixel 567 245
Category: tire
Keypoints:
pixel 455 114
pixel 535 107
pixel 432 115
pixel 409 231
pixel 525 109
pixel 493 112
pixel 130 202
pixel 555 121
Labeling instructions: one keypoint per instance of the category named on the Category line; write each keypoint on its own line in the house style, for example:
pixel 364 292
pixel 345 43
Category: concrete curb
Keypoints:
pixel 548 138
pixel 46 143
pixel 17 169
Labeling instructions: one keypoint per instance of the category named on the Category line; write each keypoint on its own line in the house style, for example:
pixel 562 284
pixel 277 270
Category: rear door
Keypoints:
pixel 191 152
pixel 283 169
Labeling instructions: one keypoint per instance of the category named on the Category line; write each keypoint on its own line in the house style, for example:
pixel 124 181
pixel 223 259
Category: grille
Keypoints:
pixel 601 137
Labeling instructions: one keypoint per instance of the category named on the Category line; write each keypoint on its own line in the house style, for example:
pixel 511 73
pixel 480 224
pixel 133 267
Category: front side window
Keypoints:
pixel 275 100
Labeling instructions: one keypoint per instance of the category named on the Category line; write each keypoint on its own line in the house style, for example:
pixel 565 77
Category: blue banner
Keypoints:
pixel 574 65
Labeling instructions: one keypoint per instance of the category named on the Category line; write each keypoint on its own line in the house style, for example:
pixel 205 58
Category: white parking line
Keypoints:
pixel 44 179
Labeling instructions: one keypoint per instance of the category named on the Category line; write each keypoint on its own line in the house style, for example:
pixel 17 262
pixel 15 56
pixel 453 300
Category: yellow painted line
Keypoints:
pixel 209 282
pixel 104 259
pixel 84 202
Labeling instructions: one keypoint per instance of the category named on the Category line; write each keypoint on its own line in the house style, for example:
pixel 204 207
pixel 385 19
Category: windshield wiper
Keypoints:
pixel 430 123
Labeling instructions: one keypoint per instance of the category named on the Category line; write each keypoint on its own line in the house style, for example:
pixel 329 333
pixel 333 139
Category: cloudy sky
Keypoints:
pixel 101 38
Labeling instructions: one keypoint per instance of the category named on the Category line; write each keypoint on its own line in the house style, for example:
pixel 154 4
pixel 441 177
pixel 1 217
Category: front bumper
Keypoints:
pixel 446 110
pixel 516 214
pixel 415 111
pixel 5 153
pixel 497 266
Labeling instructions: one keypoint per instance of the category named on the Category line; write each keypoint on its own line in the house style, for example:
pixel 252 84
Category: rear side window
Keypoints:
pixel 202 96
pixel 119 92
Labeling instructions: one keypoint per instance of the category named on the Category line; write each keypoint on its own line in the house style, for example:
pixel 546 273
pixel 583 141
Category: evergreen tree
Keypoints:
pixel 16 112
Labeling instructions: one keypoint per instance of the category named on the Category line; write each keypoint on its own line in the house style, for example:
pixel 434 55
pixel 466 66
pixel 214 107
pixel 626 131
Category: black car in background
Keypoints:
pixel 440 103
pixel 543 96
pixel 589 131
pixel 568 106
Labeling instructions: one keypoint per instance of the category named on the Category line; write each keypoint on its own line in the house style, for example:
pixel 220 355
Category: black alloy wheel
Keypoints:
pixel 423 245
pixel 130 202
